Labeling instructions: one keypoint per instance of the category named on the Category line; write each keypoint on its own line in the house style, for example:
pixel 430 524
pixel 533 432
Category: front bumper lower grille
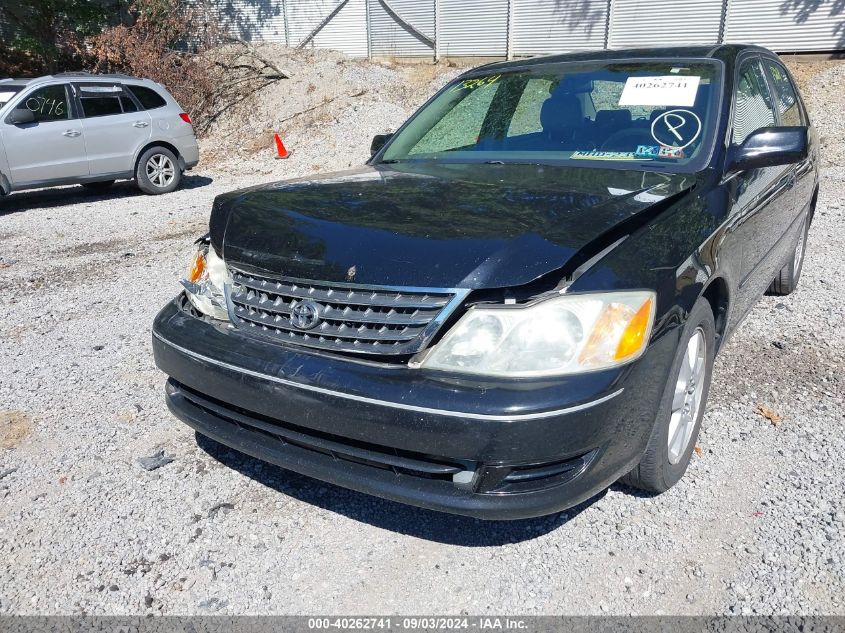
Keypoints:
pixel 315 445
pixel 339 317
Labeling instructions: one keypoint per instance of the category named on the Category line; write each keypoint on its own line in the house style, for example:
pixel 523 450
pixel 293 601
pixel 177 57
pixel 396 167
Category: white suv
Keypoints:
pixel 92 130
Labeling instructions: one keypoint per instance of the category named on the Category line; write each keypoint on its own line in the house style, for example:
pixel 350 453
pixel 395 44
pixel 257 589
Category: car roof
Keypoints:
pixel 74 76
pixel 723 52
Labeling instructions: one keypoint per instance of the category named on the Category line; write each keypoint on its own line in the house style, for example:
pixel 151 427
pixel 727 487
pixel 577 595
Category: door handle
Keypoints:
pixel 71 133
pixel 140 124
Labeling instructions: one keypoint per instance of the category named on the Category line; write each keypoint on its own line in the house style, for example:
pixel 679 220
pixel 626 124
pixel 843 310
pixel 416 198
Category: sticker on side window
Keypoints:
pixel 668 90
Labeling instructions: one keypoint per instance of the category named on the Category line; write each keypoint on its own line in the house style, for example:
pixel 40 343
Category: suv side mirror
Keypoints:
pixel 379 141
pixel 770 146
pixel 21 116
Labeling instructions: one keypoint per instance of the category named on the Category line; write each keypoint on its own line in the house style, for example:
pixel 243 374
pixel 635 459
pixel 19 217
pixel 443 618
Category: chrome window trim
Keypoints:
pixel 387 403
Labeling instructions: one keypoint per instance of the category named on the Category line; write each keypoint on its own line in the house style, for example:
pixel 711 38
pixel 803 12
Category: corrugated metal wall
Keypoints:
pixel 253 21
pixel 815 25
pixel 346 31
pixel 664 22
pixel 473 27
pixel 402 28
pixel 497 28
pixel 553 26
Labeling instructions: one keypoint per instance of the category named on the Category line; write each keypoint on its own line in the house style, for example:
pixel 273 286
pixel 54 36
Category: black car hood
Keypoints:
pixel 431 225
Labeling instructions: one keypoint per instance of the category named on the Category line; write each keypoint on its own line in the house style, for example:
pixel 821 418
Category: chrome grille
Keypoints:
pixel 362 319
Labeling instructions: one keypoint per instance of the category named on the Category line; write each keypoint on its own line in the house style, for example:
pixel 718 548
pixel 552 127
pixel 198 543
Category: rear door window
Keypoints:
pixel 148 97
pixel 50 103
pixel 787 102
pixel 104 100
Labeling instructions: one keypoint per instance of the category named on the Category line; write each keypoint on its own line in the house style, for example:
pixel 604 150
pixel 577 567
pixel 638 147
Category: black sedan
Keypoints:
pixel 518 300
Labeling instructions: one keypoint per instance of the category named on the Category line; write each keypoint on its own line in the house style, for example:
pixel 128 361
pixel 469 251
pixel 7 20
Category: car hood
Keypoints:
pixel 429 224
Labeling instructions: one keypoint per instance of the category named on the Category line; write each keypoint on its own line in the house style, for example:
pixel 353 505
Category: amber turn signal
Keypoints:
pixel 197 267
pixel 633 337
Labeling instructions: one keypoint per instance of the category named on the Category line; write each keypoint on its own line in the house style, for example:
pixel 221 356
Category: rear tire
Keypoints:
pixel 787 279
pixel 158 171
pixel 98 187
pixel 681 409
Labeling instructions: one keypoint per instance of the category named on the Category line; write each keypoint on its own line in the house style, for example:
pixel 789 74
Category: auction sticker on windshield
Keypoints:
pixel 599 155
pixel 668 90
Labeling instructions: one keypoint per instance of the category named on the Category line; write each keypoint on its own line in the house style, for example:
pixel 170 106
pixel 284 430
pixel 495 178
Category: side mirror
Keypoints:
pixel 770 146
pixel 21 116
pixel 379 141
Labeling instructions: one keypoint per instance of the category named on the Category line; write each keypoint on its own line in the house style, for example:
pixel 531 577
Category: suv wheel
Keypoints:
pixel 681 409
pixel 158 171
pixel 787 279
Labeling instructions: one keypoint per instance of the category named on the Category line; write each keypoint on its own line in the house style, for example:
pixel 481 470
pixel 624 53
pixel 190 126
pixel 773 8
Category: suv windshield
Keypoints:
pixel 7 92
pixel 639 114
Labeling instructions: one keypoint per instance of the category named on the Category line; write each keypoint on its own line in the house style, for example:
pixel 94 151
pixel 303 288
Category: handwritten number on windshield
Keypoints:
pixel 472 84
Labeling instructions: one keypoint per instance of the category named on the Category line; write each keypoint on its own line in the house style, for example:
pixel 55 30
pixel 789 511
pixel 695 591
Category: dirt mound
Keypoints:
pixel 326 113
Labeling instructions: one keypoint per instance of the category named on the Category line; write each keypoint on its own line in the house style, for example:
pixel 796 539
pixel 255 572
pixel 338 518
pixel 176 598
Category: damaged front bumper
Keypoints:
pixel 494 449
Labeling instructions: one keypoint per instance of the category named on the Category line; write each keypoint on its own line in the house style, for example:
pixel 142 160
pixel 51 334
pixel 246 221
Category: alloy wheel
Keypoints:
pixel 689 390
pixel 160 170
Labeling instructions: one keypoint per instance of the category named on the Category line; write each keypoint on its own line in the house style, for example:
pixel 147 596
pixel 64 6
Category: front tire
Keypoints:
pixel 158 171
pixel 681 409
pixel 787 279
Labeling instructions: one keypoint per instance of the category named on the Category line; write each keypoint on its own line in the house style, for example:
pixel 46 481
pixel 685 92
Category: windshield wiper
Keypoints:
pixel 494 162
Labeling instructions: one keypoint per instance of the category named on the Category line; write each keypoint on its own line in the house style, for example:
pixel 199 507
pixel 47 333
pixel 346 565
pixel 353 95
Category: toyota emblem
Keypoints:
pixel 305 314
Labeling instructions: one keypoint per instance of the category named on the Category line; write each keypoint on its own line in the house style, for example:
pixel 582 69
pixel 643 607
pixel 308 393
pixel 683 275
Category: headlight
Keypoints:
pixel 205 280
pixel 567 334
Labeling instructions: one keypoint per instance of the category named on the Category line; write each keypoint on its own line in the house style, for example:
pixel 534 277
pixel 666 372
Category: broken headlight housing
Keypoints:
pixel 205 280
pixel 566 334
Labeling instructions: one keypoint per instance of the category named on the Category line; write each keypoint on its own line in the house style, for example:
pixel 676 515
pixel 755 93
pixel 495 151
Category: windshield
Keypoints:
pixel 646 115
pixel 7 92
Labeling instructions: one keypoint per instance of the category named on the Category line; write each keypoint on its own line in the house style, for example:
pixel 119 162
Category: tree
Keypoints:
pixel 53 29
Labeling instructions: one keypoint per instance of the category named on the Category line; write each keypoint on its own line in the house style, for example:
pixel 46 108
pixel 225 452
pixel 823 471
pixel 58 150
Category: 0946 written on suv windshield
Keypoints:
pixel 639 115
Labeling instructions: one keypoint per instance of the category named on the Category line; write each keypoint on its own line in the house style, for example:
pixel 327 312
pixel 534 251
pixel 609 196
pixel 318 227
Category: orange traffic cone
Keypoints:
pixel 281 150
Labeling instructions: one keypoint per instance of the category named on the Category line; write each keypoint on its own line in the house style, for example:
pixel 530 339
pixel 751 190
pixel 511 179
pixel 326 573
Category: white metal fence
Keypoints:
pixel 514 28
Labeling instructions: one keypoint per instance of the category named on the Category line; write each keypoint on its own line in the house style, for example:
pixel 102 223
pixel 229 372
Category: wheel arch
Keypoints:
pixel 158 143
pixel 813 201
pixel 717 293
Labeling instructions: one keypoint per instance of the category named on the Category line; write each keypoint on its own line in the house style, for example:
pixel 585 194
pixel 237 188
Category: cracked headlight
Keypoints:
pixel 205 279
pixel 567 334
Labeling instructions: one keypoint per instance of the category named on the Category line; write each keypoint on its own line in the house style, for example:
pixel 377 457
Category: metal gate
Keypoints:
pixel 786 26
pixel 337 24
pixel 554 26
pixel 472 27
pixel 401 28
pixel 517 28
pixel 644 23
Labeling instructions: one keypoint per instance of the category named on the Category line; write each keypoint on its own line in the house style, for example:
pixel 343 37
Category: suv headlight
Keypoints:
pixel 205 280
pixel 567 334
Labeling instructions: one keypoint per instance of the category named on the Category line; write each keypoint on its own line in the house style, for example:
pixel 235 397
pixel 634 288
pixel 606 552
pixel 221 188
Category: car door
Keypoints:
pixel 114 126
pixel 49 149
pixel 790 113
pixel 757 195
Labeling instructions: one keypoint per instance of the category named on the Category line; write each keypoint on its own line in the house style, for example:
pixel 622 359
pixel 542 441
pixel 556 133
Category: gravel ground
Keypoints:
pixel 756 526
